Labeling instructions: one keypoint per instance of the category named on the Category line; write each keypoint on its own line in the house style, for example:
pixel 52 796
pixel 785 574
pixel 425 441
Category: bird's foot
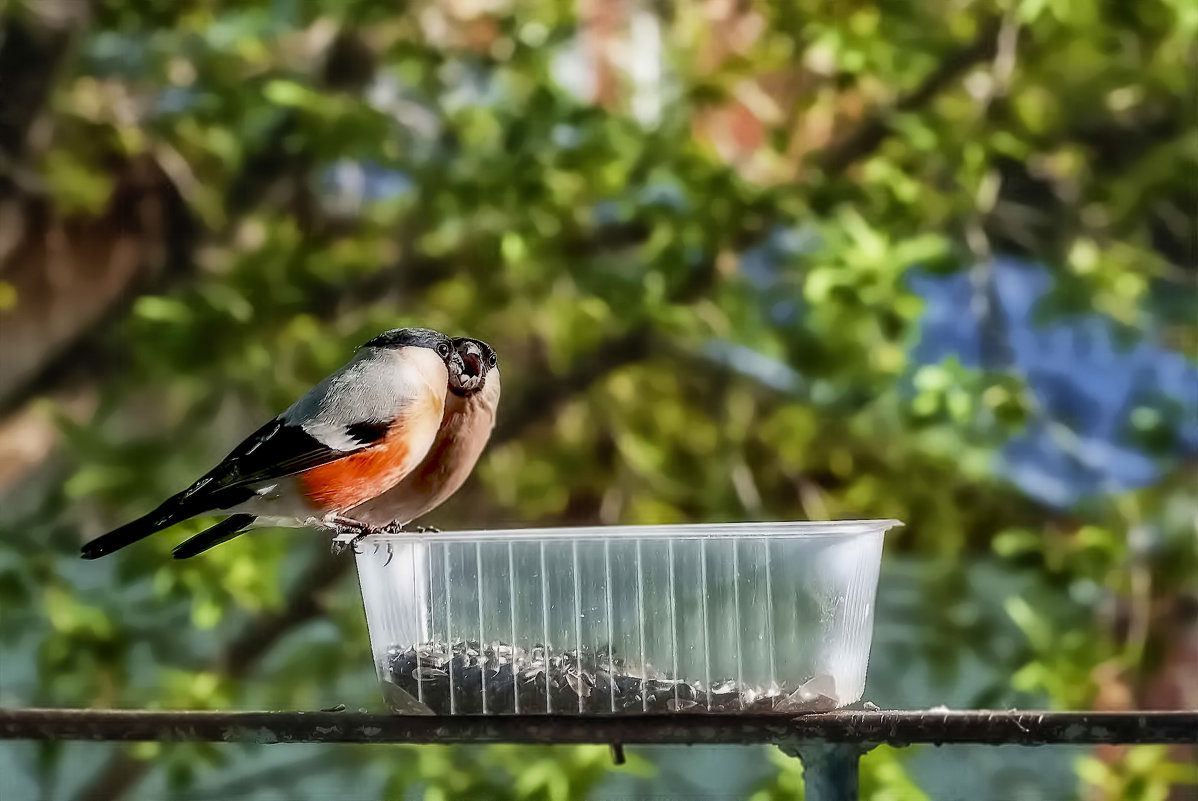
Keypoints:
pixel 349 533
pixel 427 530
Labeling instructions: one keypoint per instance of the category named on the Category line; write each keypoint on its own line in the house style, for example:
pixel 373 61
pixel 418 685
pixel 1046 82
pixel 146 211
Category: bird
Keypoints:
pixel 353 436
pixel 469 418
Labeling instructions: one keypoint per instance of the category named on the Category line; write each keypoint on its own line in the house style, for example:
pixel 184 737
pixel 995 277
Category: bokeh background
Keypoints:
pixel 741 260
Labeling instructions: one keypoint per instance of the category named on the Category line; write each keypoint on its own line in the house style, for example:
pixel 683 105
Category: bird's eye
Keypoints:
pixel 492 359
pixel 443 349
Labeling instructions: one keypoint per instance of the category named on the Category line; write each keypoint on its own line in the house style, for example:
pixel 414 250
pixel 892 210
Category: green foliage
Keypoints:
pixel 882 778
pixel 534 773
pixel 1144 773
pixel 603 248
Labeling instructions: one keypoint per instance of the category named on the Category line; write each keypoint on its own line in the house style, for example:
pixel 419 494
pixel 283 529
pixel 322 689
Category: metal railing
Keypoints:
pixel 829 743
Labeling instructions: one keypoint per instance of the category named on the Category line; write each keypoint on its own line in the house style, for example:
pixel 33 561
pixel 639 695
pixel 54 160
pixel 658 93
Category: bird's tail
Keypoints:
pixel 223 531
pixel 176 508
pixel 167 514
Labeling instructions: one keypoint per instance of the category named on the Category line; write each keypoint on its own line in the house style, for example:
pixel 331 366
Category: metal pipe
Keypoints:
pixel 862 729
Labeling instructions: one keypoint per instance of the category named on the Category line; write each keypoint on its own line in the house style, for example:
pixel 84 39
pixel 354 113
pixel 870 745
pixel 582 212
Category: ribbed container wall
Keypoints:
pixel 738 618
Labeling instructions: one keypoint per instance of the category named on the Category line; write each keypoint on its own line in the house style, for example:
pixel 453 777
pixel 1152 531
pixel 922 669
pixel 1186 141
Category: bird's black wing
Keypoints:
pixel 279 449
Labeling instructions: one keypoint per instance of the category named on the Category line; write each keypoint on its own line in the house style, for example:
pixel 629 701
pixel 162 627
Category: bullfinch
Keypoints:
pixel 466 426
pixel 352 437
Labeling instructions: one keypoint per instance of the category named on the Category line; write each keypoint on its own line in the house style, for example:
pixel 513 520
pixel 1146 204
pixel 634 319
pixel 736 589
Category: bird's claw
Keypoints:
pixel 427 530
pixel 353 544
pixel 349 533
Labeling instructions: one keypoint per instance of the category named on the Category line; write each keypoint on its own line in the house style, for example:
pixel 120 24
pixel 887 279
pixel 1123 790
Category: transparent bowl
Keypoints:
pixel 751 617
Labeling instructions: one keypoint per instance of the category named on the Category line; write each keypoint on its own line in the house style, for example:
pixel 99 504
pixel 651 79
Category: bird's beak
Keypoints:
pixel 472 359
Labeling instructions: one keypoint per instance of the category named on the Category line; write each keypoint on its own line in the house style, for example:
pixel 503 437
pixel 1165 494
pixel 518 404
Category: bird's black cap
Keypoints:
pixel 410 338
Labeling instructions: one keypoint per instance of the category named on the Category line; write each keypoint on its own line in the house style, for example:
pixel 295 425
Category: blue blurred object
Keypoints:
pixel 1090 389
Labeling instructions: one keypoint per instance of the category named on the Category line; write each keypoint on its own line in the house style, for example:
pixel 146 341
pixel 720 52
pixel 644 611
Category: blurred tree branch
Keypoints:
pixel 76 277
pixel 869 135
pixel 33 50
pixel 162 229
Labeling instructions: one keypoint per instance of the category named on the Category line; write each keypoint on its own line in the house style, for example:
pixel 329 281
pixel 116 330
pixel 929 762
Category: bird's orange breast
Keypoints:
pixel 347 482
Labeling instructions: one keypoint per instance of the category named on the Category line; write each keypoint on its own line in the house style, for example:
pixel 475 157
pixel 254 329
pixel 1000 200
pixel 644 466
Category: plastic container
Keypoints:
pixel 753 617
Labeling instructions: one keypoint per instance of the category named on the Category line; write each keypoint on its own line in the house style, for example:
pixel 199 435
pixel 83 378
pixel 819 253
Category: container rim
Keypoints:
pixel 780 529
